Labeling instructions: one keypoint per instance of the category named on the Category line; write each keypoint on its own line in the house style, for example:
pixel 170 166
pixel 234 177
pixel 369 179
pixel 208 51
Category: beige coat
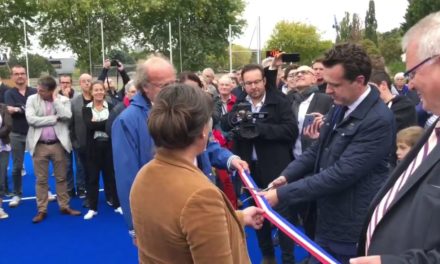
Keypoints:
pixel 179 216
pixel 37 119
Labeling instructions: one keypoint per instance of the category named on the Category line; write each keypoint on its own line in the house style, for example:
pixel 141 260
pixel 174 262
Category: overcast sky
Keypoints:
pixel 320 13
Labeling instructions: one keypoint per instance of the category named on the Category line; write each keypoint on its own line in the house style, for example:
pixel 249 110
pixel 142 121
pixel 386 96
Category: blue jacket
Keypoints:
pixel 348 166
pixel 133 147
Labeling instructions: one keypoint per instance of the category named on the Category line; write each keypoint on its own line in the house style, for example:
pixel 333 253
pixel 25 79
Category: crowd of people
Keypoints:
pixel 340 148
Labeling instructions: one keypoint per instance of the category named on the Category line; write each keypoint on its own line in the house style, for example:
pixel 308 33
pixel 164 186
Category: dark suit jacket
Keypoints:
pixel 277 133
pixel 349 165
pixel 321 103
pixel 410 230
pixel 3 89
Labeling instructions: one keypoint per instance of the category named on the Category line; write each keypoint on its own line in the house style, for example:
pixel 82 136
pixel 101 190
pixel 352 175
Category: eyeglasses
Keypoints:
pixel 65 82
pixel 256 82
pixel 161 85
pixel 411 73
pixel 302 73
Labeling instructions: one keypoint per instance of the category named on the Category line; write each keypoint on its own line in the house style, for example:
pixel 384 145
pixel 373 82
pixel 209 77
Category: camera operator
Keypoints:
pixel 264 131
pixel 115 95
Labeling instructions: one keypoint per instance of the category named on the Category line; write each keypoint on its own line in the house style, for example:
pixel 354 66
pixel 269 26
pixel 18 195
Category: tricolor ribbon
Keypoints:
pixel 283 225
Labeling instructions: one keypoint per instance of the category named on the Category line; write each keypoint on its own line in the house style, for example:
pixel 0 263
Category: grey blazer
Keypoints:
pixel 37 120
pixel 78 127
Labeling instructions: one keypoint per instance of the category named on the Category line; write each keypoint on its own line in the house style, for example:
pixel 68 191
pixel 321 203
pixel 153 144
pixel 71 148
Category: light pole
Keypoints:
pixel 102 41
pixel 26 49
pixel 170 43
pixel 230 48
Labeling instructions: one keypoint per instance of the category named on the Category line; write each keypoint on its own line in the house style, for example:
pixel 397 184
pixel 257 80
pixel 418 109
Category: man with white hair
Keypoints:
pixel 401 88
pixel 403 220
pixel 132 144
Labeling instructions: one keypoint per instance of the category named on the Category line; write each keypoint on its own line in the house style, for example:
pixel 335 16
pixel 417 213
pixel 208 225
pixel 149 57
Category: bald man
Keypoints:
pixel 78 132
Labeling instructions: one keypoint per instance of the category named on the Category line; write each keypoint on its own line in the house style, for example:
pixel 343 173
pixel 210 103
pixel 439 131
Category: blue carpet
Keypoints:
pixel 68 239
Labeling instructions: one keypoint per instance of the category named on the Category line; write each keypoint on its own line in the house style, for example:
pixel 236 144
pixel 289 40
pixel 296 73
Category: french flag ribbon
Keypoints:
pixel 284 226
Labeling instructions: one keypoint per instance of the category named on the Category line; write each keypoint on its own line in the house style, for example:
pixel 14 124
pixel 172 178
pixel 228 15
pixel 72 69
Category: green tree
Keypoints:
pixel 350 29
pixel 68 23
pixel 12 15
pixel 121 55
pixel 371 23
pixel 389 45
pixel 298 37
pixel 38 65
pixel 240 56
pixel 203 26
pixel 416 10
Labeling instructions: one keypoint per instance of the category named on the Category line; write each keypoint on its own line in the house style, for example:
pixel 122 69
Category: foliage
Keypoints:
pixel 12 15
pixel 68 23
pixel 38 66
pixel 240 57
pixel 298 37
pixel 203 24
pixel 121 55
pixel 350 29
pixel 416 10
pixel 389 45
pixel 371 23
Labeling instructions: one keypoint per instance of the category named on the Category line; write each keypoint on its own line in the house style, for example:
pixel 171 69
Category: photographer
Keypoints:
pixel 264 131
pixel 116 96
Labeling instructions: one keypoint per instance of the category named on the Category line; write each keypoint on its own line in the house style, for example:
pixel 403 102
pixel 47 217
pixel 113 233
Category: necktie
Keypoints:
pixel 387 200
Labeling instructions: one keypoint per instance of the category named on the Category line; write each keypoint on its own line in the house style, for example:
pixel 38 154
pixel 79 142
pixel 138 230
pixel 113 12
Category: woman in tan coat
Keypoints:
pixel 179 216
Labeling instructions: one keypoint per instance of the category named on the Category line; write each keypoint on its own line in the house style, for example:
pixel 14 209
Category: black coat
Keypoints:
pixel 91 127
pixel 6 127
pixel 321 103
pixel 277 133
pixel 404 112
pixel 409 232
pixel 349 165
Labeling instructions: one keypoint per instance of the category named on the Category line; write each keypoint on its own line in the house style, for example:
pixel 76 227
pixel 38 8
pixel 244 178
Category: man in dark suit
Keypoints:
pixel 403 220
pixel 269 150
pixel 3 89
pixel 348 164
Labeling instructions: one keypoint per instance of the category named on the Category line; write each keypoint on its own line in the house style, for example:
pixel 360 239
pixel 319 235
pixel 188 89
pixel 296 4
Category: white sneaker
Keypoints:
pixel 90 214
pixel 3 215
pixel 51 197
pixel 119 210
pixel 15 201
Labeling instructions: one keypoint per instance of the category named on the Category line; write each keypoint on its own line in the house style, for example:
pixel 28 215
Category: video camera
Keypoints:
pixel 244 121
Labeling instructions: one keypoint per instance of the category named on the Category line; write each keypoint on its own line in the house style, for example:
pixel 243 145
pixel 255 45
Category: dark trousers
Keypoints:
pixel 264 235
pixel 80 174
pixel 18 145
pixel 100 160
pixel 341 251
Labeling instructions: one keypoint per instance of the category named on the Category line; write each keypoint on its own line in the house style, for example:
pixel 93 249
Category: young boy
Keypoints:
pixel 406 139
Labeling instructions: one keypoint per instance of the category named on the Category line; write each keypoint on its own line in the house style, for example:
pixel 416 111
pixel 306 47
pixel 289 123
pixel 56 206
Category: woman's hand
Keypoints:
pixel 253 216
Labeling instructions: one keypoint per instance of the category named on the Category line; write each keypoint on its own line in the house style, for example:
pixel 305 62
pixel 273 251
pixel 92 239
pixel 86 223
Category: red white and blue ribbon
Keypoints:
pixel 283 225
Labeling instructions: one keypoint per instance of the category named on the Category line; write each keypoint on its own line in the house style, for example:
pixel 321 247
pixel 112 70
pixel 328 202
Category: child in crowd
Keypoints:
pixel 406 139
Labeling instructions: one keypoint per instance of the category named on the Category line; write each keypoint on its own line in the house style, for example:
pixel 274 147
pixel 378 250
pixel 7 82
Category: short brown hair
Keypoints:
pixel 352 58
pixel 409 135
pixel 178 116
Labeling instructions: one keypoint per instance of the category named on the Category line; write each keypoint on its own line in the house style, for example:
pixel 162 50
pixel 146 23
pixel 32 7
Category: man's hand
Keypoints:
pixel 107 64
pixel 253 216
pixel 120 66
pixel 312 131
pixel 366 260
pixel 280 181
pixel 239 164
pixel 271 196
pixel 277 61
pixel 13 109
